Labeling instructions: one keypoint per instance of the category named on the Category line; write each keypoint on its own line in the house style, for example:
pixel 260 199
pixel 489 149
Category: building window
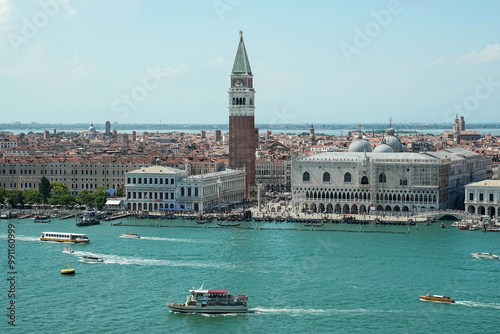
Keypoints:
pixel 382 178
pixel 347 177
pixel 481 197
pixel 306 177
pixel 403 181
pixel 364 180
pixel 491 197
pixel 471 196
pixel 326 177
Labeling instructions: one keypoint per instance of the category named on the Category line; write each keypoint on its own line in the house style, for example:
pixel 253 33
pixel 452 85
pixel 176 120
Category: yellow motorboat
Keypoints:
pixel 68 271
pixel 436 298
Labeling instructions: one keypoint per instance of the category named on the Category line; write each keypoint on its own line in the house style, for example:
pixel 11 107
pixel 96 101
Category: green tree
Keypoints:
pixel 84 197
pixel 44 189
pixel 60 194
pixel 14 197
pixel 32 196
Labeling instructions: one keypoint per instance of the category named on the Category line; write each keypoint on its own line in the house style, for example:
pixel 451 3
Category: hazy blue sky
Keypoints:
pixel 133 61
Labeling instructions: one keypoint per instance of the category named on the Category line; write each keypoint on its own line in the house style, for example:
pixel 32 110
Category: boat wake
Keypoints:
pixel 299 312
pixel 128 260
pixel 477 304
pixel 174 239
pixel 21 237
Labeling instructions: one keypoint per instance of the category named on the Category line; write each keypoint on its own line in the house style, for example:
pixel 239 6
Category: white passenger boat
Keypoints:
pixel 478 255
pixel 69 250
pixel 90 259
pixel 64 237
pixel 211 302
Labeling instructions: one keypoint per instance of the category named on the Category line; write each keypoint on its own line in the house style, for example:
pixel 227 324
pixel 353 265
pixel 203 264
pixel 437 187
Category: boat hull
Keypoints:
pixel 208 309
pixel 437 299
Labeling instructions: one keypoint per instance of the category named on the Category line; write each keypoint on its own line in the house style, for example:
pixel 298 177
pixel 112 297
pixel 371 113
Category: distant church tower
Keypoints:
pixel 241 116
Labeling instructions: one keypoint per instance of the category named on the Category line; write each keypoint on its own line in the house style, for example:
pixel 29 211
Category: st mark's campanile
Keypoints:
pixel 241 116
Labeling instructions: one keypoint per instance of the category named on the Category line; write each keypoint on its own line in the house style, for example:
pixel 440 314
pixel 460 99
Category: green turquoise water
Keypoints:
pixel 297 280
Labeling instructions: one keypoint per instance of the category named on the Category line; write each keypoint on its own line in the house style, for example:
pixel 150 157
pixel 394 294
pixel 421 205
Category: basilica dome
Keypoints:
pixel 383 148
pixel 92 128
pixel 391 140
pixel 360 145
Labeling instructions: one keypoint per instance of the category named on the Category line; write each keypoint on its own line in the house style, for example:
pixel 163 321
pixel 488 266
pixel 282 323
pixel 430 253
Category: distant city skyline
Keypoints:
pixel 325 62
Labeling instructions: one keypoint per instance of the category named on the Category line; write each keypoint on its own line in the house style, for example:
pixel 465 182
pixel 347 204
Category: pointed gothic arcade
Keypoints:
pixel 241 116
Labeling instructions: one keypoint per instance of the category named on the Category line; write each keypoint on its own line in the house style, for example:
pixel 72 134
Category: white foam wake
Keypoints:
pixel 130 260
pixel 21 237
pixel 470 303
pixel 302 311
pixel 168 239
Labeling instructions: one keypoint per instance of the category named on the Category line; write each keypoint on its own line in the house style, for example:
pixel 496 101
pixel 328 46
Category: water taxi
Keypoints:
pixel 64 237
pixel 131 235
pixel 478 255
pixel 69 271
pixel 436 298
pixel 90 259
pixel 211 302
pixel 68 250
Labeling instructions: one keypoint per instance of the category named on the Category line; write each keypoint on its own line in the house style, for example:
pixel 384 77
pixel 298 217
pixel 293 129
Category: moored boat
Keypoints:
pixel 478 255
pixel 436 298
pixel 90 259
pixel 89 217
pixel 211 302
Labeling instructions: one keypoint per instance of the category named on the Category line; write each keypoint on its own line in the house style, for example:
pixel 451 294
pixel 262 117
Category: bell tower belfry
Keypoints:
pixel 241 116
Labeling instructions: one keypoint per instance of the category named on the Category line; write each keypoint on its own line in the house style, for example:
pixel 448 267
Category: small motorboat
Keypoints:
pixel 69 250
pixel 478 255
pixel 131 235
pixel 436 298
pixel 90 259
pixel 69 271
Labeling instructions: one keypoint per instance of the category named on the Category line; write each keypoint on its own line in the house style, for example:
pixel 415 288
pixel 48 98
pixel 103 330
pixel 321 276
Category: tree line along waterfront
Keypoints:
pixel 55 193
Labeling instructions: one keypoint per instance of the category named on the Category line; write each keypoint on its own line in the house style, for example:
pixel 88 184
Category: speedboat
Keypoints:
pixel 69 250
pixel 131 235
pixel 478 255
pixel 211 301
pixel 436 298
pixel 90 259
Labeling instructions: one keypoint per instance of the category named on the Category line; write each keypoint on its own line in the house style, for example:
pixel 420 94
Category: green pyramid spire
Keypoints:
pixel 241 63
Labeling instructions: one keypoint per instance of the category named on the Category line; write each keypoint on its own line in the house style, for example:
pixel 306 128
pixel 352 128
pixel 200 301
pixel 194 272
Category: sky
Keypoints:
pixel 332 61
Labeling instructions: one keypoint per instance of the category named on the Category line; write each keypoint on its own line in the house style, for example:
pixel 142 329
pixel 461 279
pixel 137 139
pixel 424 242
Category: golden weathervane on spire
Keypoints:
pixel 241 33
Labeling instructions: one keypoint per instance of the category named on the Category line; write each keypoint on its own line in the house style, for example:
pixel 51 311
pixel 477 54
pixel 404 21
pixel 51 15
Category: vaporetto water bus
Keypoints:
pixel 64 237
pixel 211 302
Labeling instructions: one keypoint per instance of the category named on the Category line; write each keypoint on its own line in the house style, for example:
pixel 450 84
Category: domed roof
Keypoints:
pixel 383 148
pixel 393 142
pixel 360 145
pixel 390 131
pixel 91 128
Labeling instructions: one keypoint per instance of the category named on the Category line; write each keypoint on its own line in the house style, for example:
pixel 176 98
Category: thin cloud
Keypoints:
pixel 4 13
pixel 217 62
pixel 488 55
pixel 436 62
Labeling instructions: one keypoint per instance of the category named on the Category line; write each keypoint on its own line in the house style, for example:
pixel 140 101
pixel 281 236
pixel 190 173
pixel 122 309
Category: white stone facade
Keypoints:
pixel 353 182
pixel 154 188
pixel 483 197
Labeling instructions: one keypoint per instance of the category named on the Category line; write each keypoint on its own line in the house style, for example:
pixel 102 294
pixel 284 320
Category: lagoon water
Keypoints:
pixel 297 280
